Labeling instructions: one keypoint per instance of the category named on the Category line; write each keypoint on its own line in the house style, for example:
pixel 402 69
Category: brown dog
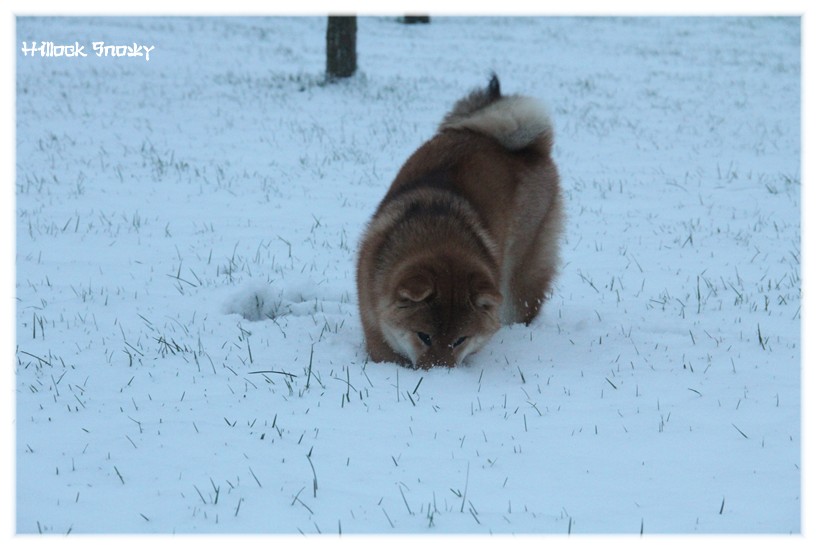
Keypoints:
pixel 466 237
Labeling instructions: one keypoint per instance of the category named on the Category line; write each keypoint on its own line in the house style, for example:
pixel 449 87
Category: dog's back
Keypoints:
pixel 478 206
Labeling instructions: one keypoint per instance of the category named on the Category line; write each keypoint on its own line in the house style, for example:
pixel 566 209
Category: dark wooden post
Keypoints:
pixel 341 47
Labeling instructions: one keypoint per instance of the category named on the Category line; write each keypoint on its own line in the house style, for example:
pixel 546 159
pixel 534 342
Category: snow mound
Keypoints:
pixel 257 300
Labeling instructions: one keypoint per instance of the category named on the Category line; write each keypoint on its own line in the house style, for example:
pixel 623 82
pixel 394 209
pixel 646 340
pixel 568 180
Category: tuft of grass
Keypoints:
pixel 314 473
pixel 464 494
pixel 309 376
pixel 119 474
pixel 389 518
pixel 761 340
pixel 739 431
pixel 405 500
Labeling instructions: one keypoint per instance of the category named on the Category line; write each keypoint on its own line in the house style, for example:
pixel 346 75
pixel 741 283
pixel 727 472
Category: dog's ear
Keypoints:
pixel 487 301
pixel 416 287
pixel 483 293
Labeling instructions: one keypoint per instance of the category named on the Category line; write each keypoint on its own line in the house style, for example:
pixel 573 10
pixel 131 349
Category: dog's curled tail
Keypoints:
pixel 515 121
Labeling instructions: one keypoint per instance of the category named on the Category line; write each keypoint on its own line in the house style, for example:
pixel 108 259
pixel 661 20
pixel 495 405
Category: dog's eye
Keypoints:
pixel 459 341
pixel 425 338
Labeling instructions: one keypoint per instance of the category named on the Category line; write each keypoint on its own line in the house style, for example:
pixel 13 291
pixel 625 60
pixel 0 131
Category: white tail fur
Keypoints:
pixel 515 121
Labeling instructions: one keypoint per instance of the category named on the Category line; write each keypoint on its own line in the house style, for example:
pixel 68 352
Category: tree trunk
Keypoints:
pixel 341 47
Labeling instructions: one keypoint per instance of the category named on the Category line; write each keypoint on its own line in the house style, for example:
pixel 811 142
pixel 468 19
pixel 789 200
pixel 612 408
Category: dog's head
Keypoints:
pixel 441 310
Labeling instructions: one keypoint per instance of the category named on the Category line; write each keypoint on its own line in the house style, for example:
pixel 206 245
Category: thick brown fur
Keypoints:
pixel 466 237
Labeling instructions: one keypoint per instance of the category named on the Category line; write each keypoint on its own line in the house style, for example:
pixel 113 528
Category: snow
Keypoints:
pixel 189 354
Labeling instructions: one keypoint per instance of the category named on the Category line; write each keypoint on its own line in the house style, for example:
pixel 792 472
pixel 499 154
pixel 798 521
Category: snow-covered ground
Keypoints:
pixel 165 206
